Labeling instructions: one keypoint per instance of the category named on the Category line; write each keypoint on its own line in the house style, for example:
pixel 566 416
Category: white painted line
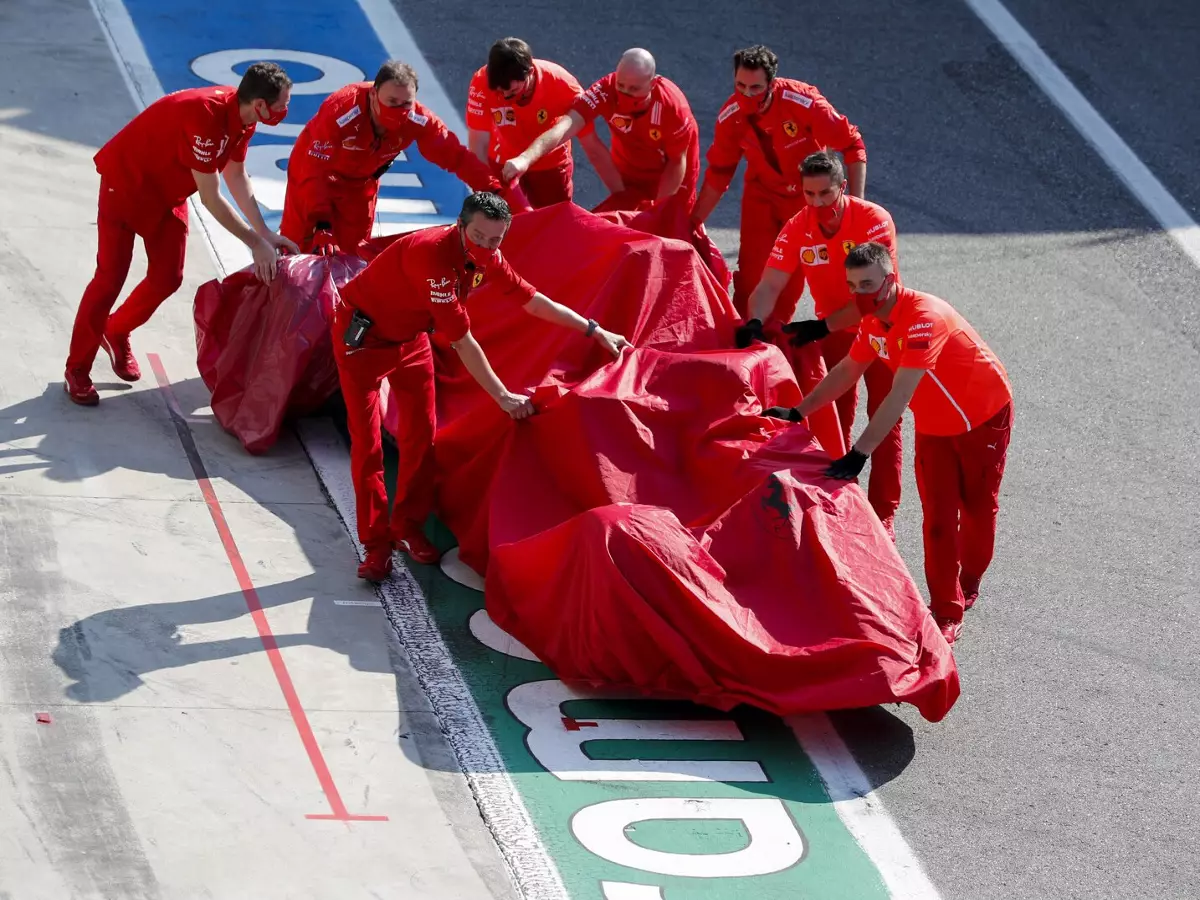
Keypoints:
pixel 456 570
pixel 400 206
pixel 1125 164
pixel 621 890
pixel 374 603
pixel 861 811
pixel 398 41
pixel 504 811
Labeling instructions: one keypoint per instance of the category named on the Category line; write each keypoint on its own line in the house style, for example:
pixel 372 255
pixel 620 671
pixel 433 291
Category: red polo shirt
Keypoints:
pixel 964 383
pixel 643 141
pixel 153 157
pixel 420 283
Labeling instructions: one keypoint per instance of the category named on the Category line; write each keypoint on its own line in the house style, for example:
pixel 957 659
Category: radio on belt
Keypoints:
pixel 356 331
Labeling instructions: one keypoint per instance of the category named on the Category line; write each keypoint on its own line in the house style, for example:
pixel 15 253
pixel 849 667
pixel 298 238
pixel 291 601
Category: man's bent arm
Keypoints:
pixel 770 286
pixel 672 176
pixel 856 174
pixel 542 307
pixel 904 384
pixel 843 377
pixel 243 194
pixel 479 142
pixel 846 317
pixel 709 197
pixel 563 129
pixel 477 364
pixel 602 162
pixel 209 186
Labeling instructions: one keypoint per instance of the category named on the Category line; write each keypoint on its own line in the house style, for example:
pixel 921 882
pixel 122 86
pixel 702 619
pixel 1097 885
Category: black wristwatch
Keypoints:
pixel 592 326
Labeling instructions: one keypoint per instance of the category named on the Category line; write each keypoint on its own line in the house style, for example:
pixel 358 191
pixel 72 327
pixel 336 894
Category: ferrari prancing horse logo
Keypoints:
pixel 542 116
pixel 790 129
pixel 477 280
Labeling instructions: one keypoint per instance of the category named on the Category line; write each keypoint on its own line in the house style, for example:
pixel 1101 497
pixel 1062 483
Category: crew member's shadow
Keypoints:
pixel 107 654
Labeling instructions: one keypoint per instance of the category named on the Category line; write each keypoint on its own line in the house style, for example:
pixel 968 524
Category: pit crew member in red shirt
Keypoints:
pixel 511 101
pixel 812 247
pixel 962 413
pixel 420 284
pixel 343 151
pixel 176 146
pixel 655 139
pixel 774 123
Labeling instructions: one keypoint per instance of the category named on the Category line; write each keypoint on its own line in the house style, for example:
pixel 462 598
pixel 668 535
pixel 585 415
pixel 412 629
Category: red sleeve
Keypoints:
pixel 684 130
pixel 441 146
pixel 785 255
pixel 882 230
pixel 924 339
pixel 595 100
pixel 237 153
pixel 861 350
pixel 479 107
pixel 450 319
pixel 514 287
pixel 831 129
pixel 726 150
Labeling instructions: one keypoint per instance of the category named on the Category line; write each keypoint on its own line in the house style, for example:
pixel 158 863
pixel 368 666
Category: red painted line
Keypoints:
pixel 299 716
pixel 574 724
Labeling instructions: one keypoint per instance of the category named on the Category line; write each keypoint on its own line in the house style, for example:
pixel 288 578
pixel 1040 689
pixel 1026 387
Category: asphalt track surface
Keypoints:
pixel 1068 768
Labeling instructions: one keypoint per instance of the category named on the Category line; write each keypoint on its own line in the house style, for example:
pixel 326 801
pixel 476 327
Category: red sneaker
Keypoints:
pixel 951 631
pixel 417 546
pixel 119 352
pixel 970 589
pixel 377 566
pixel 78 385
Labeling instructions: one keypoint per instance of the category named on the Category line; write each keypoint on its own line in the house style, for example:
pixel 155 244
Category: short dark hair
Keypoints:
pixel 263 81
pixel 491 205
pixel 869 254
pixel 756 57
pixel 509 60
pixel 399 72
pixel 824 162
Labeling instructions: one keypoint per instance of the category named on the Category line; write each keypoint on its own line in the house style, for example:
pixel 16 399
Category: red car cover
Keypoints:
pixel 263 349
pixel 648 528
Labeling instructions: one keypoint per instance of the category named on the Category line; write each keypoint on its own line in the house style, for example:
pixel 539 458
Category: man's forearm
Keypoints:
pixel 705 203
pixel 228 218
pixel 845 317
pixel 832 386
pixel 560 131
pixel 904 385
pixel 477 364
pixel 243 194
pixel 479 142
pixel 542 307
pixel 672 177
pixel 856 175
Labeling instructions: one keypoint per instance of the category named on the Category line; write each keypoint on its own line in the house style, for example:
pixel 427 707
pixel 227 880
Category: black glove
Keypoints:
pixel 806 332
pixel 379 173
pixel 848 466
pixel 790 413
pixel 745 335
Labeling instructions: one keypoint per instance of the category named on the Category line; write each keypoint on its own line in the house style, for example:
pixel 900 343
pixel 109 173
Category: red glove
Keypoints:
pixel 323 242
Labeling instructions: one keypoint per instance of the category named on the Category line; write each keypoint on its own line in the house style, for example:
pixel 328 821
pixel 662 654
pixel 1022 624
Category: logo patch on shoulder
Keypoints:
pixel 347 118
pixel 416 118
pixel 797 98
pixel 542 116
pixel 727 112
pixel 655 134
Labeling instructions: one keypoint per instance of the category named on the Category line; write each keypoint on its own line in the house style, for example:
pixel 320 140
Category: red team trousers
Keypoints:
pixel 546 187
pixel 409 370
pixel 958 478
pixel 352 214
pixel 883 489
pixel 764 213
pixel 120 218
